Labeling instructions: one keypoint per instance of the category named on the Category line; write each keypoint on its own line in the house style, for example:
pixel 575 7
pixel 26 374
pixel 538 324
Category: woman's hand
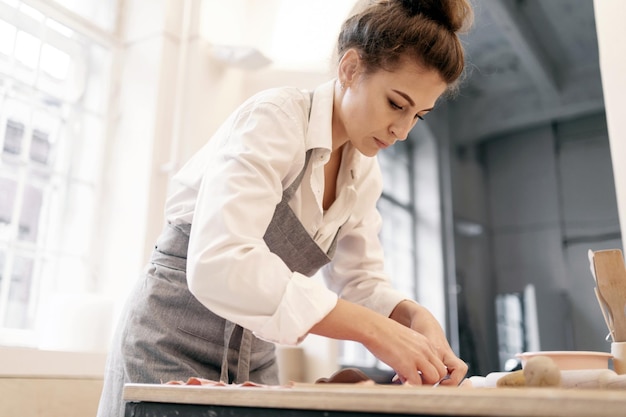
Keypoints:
pixel 402 341
pixel 423 322
pixel 410 353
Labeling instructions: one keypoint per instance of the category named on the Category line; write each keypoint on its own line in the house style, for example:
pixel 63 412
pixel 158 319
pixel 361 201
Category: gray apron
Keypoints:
pixel 166 334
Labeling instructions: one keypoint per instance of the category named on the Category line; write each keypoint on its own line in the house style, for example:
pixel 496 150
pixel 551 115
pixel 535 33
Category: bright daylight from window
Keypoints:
pixel 53 97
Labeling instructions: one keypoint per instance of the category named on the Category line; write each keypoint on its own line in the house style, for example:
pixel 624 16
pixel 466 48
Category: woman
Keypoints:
pixel 288 186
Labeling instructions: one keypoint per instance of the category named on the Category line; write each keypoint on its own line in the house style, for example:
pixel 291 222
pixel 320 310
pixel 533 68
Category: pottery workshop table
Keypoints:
pixel 334 400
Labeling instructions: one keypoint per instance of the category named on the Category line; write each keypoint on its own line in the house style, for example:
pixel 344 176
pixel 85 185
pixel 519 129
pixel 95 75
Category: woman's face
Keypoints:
pixel 373 111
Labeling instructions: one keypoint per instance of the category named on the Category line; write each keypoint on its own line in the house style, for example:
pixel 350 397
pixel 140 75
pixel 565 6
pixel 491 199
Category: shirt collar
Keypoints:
pixel 319 132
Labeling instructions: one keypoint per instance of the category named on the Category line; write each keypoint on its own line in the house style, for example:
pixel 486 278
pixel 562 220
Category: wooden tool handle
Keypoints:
pixel 616 382
pixel 611 280
pixel 593 378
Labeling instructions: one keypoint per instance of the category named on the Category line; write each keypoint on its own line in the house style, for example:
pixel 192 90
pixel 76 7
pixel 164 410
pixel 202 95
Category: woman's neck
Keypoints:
pixel 338 130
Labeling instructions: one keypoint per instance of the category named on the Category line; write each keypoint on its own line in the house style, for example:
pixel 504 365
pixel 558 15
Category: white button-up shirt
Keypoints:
pixel 229 191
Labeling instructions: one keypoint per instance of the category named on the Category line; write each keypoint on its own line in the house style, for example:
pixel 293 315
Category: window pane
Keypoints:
pixel 55 62
pixel 100 12
pixel 60 76
pixel 27 49
pixel 14 116
pixel 13 137
pixel 7 38
pixel 17 312
pixel 44 139
pixel 397 239
pixel 40 147
pixel 13 3
pixel 58 27
pixel 396 172
pixel 31 12
pixel 29 219
pixel 7 201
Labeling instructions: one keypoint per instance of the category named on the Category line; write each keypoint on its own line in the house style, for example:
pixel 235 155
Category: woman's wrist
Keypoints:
pixel 417 317
pixel 406 312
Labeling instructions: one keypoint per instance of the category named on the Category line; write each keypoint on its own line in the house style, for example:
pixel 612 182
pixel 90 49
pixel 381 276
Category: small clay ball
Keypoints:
pixel 541 371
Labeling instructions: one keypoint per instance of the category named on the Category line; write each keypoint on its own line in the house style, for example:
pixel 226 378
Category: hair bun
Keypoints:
pixel 452 14
pixel 411 6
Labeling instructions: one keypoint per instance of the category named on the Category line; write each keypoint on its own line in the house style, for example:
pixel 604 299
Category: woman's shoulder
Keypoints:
pixel 286 98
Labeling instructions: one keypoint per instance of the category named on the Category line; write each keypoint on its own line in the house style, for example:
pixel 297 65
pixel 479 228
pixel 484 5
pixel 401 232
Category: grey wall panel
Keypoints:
pixel 522 181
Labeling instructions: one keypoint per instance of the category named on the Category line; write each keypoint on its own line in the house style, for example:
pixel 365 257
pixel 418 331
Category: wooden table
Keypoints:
pixel 333 400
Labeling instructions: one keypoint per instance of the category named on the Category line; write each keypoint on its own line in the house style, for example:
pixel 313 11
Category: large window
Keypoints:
pixel 54 93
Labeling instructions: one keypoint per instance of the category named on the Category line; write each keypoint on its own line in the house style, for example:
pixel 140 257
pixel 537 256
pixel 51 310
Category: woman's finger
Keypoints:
pixel 457 373
pixel 433 372
pixel 413 377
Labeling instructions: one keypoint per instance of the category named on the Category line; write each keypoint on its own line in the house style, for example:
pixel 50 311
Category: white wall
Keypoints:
pixel 610 16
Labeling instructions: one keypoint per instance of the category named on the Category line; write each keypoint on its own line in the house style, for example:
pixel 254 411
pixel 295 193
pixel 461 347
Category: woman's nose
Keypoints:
pixel 401 128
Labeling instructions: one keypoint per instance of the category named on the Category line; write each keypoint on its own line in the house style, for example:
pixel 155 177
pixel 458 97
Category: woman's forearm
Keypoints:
pixel 349 321
pixel 399 346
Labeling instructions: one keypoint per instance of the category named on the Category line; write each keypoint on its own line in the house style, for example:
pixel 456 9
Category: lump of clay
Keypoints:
pixel 541 371
pixel 514 379
pixel 347 376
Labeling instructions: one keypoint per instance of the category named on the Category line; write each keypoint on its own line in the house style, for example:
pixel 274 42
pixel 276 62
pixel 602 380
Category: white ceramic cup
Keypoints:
pixel 618 350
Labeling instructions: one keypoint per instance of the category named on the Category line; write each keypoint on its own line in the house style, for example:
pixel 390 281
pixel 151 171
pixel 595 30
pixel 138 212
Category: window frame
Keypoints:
pixel 12 338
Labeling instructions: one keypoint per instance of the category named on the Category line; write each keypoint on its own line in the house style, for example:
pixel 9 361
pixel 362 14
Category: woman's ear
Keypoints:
pixel 349 66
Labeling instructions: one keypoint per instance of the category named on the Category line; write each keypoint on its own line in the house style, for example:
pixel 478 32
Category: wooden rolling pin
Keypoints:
pixel 593 378
pixel 584 378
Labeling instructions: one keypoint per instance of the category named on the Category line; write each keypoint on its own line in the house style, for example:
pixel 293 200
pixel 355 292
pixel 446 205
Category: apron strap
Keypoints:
pixel 245 350
pixel 291 190
pixel 243 364
pixel 229 328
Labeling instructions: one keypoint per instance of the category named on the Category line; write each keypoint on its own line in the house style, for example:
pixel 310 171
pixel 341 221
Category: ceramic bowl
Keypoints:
pixel 571 360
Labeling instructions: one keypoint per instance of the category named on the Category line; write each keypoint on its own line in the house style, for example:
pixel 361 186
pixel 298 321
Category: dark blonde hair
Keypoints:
pixel 387 31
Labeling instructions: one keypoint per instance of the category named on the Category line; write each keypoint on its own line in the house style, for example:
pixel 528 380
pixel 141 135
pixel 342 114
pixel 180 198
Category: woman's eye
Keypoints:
pixel 394 105
pixel 417 116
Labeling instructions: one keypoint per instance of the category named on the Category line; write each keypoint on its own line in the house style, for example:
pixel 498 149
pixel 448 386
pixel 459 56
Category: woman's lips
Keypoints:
pixel 381 144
